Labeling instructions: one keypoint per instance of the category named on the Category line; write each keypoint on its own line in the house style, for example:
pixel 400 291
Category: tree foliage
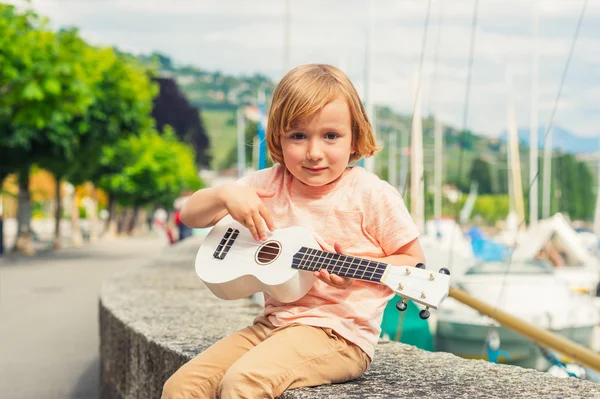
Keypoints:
pixel 173 109
pixel 44 84
pixel 84 113
pixel 480 172
pixel 153 169
pixel 573 188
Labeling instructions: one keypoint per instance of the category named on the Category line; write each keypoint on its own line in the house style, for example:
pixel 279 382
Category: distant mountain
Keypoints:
pixel 218 91
pixel 562 140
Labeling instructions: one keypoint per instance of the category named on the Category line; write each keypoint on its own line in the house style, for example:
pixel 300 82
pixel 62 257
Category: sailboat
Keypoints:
pixel 524 286
pixel 528 290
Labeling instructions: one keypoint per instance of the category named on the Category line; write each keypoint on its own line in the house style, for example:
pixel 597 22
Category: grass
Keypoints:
pixel 220 126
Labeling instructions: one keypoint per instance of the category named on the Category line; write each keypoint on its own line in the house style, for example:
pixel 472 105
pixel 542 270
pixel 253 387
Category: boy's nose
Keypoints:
pixel 314 152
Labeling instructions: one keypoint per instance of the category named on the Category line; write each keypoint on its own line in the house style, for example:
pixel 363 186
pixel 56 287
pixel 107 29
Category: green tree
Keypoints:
pixel 480 172
pixel 44 82
pixel 122 104
pixel 491 207
pixel 153 169
pixel 572 187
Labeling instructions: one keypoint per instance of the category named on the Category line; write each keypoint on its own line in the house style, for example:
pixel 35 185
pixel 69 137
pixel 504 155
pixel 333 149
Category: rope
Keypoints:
pixel 421 58
pixel 464 118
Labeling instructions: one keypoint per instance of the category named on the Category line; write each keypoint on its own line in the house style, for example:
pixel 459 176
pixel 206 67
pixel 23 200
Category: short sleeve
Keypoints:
pixel 264 178
pixel 388 220
pixel 244 181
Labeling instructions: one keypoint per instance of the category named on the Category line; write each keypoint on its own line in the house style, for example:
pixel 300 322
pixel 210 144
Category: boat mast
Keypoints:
pixel 533 130
pixel 370 161
pixel 392 155
pixel 515 161
pixel 438 165
pixel 547 178
pixel 416 158
pixel 597 212
pixel 241 142
pixel 286 37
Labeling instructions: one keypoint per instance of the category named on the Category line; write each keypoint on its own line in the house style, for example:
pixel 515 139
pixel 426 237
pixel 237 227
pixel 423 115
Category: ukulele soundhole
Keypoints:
pixel 268 253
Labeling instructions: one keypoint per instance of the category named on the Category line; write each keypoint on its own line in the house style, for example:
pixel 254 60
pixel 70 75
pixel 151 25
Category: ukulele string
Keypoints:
pixel 370 271
pixel 307 257
pixel 372 265
pixel 408 291
pixel 267 249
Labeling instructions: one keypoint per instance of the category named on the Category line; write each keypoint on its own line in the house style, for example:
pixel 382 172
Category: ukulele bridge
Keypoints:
pixel 226 243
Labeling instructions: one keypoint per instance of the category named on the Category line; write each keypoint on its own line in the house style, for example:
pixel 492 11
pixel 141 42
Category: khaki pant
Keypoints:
pixel 262 361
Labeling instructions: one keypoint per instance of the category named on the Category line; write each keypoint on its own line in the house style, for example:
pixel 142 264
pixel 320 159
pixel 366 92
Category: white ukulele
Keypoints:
pixel 233 265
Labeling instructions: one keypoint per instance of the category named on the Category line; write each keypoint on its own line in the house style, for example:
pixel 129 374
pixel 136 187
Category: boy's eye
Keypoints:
pixel 331 136
pixel 297 136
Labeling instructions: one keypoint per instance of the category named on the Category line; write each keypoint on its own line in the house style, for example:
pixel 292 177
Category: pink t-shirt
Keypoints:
pixel 368 217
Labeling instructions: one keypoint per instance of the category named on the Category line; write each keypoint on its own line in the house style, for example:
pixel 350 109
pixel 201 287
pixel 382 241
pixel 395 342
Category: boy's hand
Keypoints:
pixel 245 205
pixel 332 279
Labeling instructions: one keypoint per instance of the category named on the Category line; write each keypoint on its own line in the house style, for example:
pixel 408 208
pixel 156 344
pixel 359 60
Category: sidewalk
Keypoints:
pixel 49 315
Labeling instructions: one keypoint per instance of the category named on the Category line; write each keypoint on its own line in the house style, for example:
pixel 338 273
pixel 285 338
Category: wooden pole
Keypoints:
pixel 578 353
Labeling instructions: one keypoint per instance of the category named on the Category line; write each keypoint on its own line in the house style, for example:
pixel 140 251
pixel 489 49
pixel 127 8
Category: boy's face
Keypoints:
pixel 316 151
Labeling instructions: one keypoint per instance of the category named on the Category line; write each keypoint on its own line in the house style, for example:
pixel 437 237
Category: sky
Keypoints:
pixel 243 37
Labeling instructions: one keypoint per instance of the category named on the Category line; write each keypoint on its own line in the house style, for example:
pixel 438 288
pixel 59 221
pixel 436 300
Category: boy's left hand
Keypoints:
pixel 332 279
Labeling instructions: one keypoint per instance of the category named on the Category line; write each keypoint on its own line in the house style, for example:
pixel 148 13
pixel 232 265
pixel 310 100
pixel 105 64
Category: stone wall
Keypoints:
pixel 156 317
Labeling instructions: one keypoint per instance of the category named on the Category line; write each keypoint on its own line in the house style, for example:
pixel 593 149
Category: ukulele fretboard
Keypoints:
pixel 311 259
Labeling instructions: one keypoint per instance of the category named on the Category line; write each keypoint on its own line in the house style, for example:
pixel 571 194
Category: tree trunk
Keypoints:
pixel 121 220
pixel 134 220
pixel 93 217
pixel 57 214
pixel 110 226
pixel 23 242
pixel 76 238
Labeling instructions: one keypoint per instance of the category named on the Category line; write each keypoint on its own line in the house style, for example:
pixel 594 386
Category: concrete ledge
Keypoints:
pixel 155 318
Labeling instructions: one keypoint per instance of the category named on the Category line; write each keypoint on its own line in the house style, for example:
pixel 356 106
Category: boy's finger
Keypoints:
pixel 323 276
pixel 264 193
pixel 341 282
pixel 266 215
pixel 250 225
pixel 337 279
pixel 260 226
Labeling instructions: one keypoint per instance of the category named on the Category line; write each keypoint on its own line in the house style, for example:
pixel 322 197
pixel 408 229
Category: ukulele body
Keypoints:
pixel 233 265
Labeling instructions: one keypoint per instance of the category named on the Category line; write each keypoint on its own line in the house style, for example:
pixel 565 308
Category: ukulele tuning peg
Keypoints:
pixel 402 305
pixel 424 314
pixel 420 265
pixel 443 270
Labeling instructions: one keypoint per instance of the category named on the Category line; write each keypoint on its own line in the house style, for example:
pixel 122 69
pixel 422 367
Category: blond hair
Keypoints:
pixel 305 90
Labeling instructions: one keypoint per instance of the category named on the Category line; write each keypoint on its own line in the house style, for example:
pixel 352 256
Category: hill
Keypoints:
pixel 562 140
pixel 218 96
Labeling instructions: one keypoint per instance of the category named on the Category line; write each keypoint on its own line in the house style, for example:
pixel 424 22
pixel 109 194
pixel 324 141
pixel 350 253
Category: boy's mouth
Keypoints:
pixel 315 170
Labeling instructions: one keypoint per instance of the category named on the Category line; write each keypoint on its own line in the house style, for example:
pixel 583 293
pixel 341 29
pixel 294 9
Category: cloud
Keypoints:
pixel 243 37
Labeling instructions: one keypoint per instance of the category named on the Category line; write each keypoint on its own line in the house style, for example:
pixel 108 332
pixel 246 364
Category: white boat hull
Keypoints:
pixel 468 341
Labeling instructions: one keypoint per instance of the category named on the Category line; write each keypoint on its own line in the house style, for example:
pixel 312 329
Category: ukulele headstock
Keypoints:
pixel 423 286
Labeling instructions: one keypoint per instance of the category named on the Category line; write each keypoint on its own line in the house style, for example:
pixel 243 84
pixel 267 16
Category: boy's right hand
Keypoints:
pixel 245 205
